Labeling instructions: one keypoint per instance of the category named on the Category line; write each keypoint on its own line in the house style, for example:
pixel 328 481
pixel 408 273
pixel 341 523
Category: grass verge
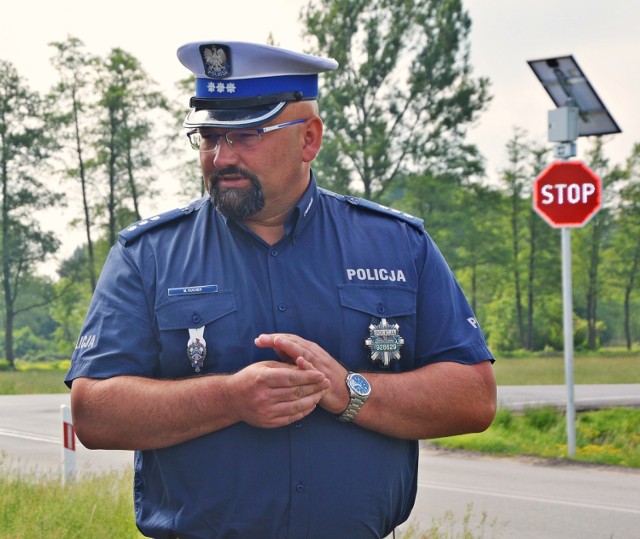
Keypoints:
pixel 96 506
pixel 33 378
pixel 610 436
pixel 607 367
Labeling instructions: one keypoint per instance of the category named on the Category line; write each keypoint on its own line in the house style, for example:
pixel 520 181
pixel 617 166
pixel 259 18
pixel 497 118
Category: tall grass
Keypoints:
pixel 452 526
pixel 610 436
pixel 40 507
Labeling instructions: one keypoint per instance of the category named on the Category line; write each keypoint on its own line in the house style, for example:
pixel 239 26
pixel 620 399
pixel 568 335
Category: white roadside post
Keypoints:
pixel 68 445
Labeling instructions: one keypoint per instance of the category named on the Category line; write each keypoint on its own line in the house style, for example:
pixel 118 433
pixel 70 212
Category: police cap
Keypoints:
pixel 241 84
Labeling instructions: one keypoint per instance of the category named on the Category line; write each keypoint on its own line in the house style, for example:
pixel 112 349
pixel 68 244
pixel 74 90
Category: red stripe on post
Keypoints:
pixel 69 436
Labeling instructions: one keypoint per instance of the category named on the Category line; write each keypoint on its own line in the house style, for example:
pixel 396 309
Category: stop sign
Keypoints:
pixel 567 193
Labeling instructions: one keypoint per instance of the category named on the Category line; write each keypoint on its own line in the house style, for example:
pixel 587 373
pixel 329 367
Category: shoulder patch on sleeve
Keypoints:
pixel 365 204
pixel 136 230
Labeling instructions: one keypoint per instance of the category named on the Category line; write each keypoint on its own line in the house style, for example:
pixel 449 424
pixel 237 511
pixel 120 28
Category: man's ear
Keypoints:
pixel 312 139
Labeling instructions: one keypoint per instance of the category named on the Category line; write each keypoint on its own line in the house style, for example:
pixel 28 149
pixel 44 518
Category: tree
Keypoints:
pixel 73 98
pixel 516 180
pixel 24 142
pixel 595 236
pixel 623 255
pixel 455 214
pixel 187 168
pixel 522 253
pixel 537 234
pixel 631 225
pixel 128 104
pixel 403 96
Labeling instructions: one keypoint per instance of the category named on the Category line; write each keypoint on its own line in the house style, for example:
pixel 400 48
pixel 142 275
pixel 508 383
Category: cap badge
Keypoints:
pixel 216 60
pixel 384 342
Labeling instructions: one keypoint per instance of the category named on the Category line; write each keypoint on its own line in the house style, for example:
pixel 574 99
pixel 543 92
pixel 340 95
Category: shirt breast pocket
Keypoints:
pixel 366 306
pixel 217 313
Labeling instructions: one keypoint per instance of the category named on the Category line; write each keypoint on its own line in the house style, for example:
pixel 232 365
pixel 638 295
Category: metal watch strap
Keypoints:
pixel 355 403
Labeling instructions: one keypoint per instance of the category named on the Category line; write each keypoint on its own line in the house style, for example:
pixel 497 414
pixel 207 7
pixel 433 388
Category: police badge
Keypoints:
pixel 385 342
pixel 196 348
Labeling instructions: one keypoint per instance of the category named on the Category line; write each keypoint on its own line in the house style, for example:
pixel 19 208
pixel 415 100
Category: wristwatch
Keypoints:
pixel 359 391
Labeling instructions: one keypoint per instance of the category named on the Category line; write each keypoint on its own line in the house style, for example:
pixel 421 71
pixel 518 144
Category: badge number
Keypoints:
pixel 384 342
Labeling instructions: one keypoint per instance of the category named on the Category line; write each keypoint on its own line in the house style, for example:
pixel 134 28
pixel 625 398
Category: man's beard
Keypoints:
pixel 234 203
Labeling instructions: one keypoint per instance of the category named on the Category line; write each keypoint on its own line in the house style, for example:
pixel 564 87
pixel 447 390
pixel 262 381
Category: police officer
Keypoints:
pixel 273 352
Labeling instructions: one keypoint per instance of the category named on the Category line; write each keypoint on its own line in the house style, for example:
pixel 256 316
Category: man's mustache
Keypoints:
pixel 231 170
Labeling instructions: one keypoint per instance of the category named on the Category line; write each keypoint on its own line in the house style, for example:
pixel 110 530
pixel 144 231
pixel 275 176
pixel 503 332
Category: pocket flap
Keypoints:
pixel 381 301
pixel 194 311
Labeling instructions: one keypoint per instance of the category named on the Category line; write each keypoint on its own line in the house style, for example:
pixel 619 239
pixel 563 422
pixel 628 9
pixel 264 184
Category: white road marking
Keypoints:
pixel 29 436
pixel 529 498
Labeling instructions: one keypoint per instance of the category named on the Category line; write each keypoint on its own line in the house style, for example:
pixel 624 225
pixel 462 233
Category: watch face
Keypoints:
pixel 359 384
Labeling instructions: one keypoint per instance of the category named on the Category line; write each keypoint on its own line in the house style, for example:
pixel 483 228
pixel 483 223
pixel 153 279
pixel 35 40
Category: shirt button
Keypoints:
pixel 298 424
pixel 196 319
pixel 300 487
pixel 381 308
pixel 273 252
pixel 282 307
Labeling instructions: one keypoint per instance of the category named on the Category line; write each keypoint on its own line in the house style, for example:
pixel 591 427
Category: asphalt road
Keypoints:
pixel 521 498
pixel 586 397
pixel 526 498
pixel 31 437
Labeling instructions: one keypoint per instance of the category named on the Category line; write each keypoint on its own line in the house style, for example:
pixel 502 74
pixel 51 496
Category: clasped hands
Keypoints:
pixel 272 394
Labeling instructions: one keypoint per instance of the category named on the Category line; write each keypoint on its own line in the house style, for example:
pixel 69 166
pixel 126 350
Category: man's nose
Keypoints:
pixel 224 154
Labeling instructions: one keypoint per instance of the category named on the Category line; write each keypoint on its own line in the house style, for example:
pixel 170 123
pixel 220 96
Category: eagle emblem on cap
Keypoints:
pixel 216 60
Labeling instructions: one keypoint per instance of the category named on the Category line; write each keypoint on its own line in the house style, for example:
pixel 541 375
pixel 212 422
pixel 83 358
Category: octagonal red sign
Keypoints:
pixel 567 194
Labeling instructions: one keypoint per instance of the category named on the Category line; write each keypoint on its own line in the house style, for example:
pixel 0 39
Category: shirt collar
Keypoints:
pixel 303 210
pixel 300 214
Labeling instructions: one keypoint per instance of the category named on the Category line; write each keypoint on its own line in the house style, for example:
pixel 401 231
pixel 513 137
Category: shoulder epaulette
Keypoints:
pixel 135 230
pixel 365 204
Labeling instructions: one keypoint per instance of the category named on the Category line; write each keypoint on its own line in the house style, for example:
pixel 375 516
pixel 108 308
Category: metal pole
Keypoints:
pixel 567 304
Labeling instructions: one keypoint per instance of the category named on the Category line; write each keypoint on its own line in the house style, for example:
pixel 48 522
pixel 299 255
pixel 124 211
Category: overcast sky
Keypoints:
pixel 602 36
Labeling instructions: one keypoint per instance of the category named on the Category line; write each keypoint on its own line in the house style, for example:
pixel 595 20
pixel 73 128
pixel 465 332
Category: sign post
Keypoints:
pixel 567 194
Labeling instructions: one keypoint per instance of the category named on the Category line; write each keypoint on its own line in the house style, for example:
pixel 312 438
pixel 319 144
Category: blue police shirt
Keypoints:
pixel 343 265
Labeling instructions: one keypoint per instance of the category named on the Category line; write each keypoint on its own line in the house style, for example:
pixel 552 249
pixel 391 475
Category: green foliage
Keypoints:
pixel 542 419
pixel 607 436
pixel 403 97
pixel 499 323
pixel 69 312
pixel 25 143
pixel 504 418
pixel 96 506
pixel 125 108
pixel 28 345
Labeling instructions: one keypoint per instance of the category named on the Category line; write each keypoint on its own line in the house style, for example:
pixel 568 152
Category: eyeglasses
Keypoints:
pixel 240 139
